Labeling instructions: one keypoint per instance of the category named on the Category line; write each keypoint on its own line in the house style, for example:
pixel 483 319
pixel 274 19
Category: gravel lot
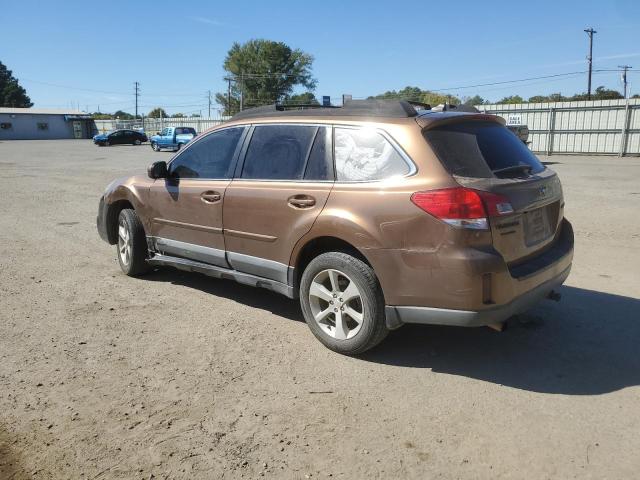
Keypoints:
pixel 178 375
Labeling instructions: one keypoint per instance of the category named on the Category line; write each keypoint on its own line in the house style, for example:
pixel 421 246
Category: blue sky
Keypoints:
pixel 176 49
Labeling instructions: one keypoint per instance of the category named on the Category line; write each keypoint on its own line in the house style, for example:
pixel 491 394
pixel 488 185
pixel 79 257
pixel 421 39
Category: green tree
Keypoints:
pixel 265 72
pixel 511 99
pixel 101 116
pixel 475 100
pixel 415 94
pixel 554 97
pixel 178 115
pixel 11 93
pixel 306 98
pixel 123 115
pixel 601 93
pixel 157 113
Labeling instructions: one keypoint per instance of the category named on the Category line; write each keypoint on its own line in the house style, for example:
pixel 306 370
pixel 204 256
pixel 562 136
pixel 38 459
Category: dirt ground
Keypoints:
pixel 177 375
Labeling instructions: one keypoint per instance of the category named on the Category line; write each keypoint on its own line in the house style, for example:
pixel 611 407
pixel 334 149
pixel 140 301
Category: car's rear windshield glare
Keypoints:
pixel 482 150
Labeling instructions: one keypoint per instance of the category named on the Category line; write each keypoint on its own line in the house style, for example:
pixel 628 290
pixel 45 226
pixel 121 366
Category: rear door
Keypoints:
pixel 128 136
pixel 186 207
pixel 116 138
pixel 485 155
pixel 279 190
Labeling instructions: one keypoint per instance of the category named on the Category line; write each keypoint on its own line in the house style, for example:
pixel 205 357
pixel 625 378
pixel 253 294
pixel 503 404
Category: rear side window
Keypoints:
pixel 365 154
pixel 208 157
pixel 185 131
pixel 320 162
pixel 280 152
pixel 481 150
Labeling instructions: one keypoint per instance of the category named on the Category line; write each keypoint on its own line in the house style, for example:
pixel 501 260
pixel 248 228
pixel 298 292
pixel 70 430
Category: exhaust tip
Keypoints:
pixel 555 296
pixel 498 327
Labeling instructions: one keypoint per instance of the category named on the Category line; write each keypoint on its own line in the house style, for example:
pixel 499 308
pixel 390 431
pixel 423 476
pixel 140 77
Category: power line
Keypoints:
pixel 506 81
pixel 72 88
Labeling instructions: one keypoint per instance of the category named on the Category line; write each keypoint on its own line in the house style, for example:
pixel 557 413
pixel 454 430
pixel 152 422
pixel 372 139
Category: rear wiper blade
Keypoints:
pixel 514 168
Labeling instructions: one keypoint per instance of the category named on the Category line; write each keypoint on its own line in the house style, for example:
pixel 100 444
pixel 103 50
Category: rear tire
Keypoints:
pixel 106 143
pixel 342 303
pixel 132 244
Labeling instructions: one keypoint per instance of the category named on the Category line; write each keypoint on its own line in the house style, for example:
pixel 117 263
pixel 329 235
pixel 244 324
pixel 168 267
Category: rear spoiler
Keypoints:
pixel 432 120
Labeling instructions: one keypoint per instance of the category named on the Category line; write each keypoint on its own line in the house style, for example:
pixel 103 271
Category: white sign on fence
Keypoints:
pixel 514 119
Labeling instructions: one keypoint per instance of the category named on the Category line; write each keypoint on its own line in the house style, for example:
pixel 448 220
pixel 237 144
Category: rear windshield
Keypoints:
pixel 185 131
pixel 482 150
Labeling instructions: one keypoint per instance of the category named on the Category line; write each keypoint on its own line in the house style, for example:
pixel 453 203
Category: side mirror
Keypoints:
pixel 157 170
pixel 157 133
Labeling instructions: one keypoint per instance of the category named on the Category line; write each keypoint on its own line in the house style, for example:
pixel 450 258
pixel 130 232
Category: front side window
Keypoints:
pixel 279 152
pixel 364 155
pixel 208 157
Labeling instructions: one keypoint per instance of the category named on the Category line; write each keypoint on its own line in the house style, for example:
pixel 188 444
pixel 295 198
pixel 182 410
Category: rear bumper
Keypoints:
pixel 515 289
pixel 397 315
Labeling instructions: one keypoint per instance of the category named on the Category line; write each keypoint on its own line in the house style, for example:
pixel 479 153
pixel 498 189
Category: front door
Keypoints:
pixel 283 185
pixel 128 137
pixel 77 129
pixel 117 137
pixel 186 216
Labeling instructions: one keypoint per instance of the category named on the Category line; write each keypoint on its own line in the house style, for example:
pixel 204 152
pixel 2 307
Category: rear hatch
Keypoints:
pixel 484 155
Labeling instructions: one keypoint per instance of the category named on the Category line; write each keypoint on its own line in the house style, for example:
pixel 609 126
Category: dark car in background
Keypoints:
pixel 120 137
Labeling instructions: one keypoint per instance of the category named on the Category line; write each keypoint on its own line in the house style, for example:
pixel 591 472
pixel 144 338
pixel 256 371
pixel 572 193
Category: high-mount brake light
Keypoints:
pixel 463 207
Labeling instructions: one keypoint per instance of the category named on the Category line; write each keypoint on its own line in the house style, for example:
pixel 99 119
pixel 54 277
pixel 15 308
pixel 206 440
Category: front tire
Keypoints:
pixel 155 147
pixel 342 303
pixel 132 244
pixel 137 142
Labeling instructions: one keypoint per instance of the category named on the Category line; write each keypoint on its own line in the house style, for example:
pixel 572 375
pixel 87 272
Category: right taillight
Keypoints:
pixel 463 207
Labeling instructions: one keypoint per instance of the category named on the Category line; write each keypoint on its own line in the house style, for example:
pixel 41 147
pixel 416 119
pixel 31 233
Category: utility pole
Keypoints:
pixel 209 98
pixel 624 77
pixel 590 31
pixel 137 94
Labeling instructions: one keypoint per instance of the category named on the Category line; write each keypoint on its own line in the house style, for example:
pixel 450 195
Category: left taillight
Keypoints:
pixel 463 207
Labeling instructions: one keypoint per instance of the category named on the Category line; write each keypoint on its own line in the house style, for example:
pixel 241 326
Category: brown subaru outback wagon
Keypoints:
pixel 375 214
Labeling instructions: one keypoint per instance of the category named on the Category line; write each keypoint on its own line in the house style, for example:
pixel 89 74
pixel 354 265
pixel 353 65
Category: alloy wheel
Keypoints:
pixel 336 304
pixel 124 242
